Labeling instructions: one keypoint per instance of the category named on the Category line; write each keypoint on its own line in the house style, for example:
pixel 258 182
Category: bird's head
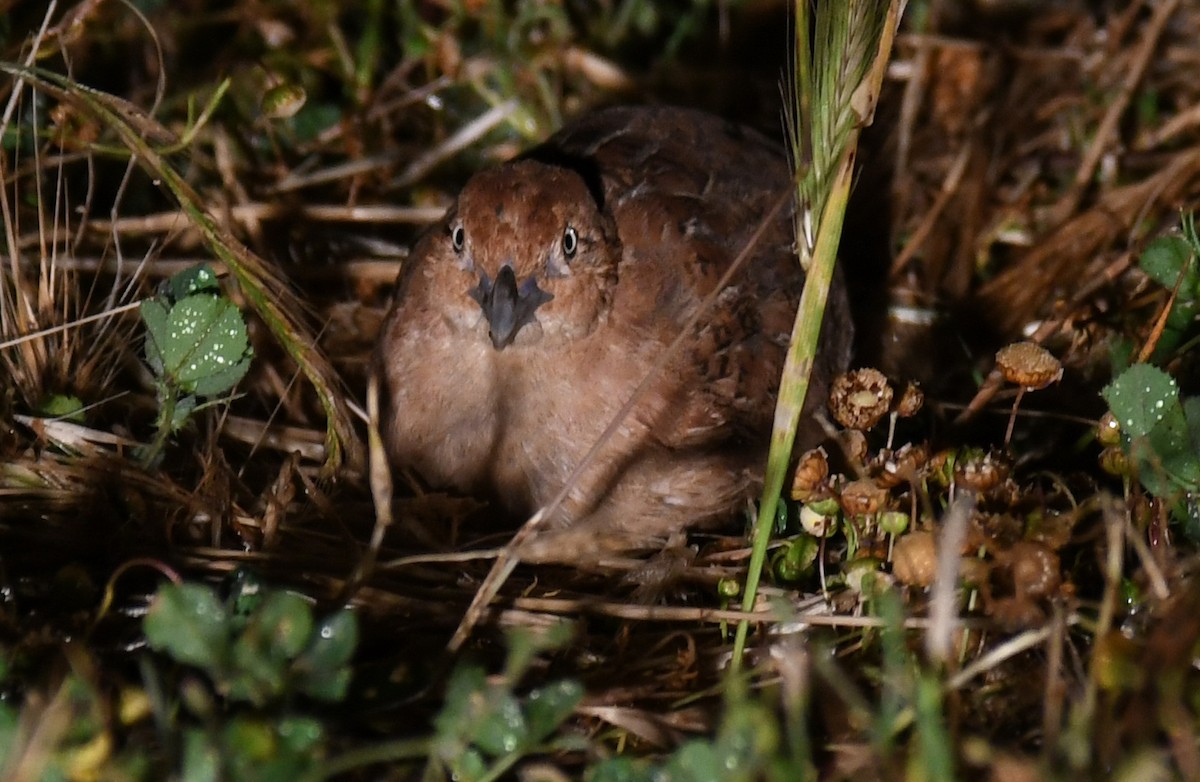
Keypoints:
pixel 527 254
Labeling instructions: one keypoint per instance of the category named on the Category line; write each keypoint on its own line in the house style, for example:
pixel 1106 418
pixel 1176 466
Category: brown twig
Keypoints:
pixel 1107 130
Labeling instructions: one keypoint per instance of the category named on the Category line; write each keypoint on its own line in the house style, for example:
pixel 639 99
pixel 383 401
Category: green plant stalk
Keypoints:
pixel 369 51
pixel 166 414
pixel 793 388
pixel 936 752
pixel 195 124
pixel 801 73
pixel 388 752
pixel 838 91
pixel 193 128
pixel 258 283
pixel 501 766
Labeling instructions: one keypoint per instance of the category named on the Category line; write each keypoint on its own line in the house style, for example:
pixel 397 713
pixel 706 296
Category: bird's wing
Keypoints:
pixel 687 191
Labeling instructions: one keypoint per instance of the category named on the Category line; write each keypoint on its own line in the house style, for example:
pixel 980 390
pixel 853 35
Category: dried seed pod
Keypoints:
pixel 1051 529
pixel 824 505
pixel 912 399
pixel 914 559
pixel 1035 569
pixel 1115 462
pixel 1108 430
pixel 903 466
pixel 1028 365
pixel 811 473
pixel 860 398
pixel 973 571
pixel 981 471
pixel 863 497
pixel 1014 614
pixel 940 467
pixel 816 523
pixel 1031 367
pixel 998 531
pixel 863 575
pixel 854 444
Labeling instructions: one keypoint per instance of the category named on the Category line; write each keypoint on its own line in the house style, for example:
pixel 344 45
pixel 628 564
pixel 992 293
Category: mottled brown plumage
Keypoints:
pixel 525 319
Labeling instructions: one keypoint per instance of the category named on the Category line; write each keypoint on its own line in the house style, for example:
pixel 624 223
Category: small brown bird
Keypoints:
pixel 524 321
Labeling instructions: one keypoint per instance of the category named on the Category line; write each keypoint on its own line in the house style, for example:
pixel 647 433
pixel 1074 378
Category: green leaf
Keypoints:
pixel 1172 443
pixel 466 683
pixel 1163 260
pixel 936 749
pixel 1139 398
pixel 225 379
pixel 697 761
pixel 251 739
pixel 201 343
pixel 749 735
pixel 262 656
pixel 621 769
pixel 155 315
pixel 1160 437
pixel 1182 315
pixel 1122 353
pixel 797 558
pixel 1191 518
pixel 503 728
pixel 197 279
pixel 245 593
pixel 67 407
pixel 313 118
pixel 201 760
pixel 254 749
pixel 1191 412
pixel 329 686
pixel 524 645
pixel 10 722
pixel 301 734
pixel 546 708
pixel 254 676
pixel 184 407
pixel 333 642
pixel 468 766
pixel 481 714
pixel 188 622
pixel 1166 460
pixel 282 626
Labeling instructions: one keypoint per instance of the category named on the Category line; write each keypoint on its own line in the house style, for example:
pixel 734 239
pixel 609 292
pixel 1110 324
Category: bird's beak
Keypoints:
pixel 506 306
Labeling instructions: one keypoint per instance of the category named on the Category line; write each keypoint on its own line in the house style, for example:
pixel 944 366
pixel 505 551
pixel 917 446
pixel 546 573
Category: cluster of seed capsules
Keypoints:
pixel 876 523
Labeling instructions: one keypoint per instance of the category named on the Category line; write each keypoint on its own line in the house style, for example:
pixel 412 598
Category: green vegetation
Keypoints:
pixel 1154 434
pixel 196 345
pixel 1055 641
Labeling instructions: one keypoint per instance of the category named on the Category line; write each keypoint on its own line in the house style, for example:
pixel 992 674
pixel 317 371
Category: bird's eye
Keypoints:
pixel 458 237
pixel 570 242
